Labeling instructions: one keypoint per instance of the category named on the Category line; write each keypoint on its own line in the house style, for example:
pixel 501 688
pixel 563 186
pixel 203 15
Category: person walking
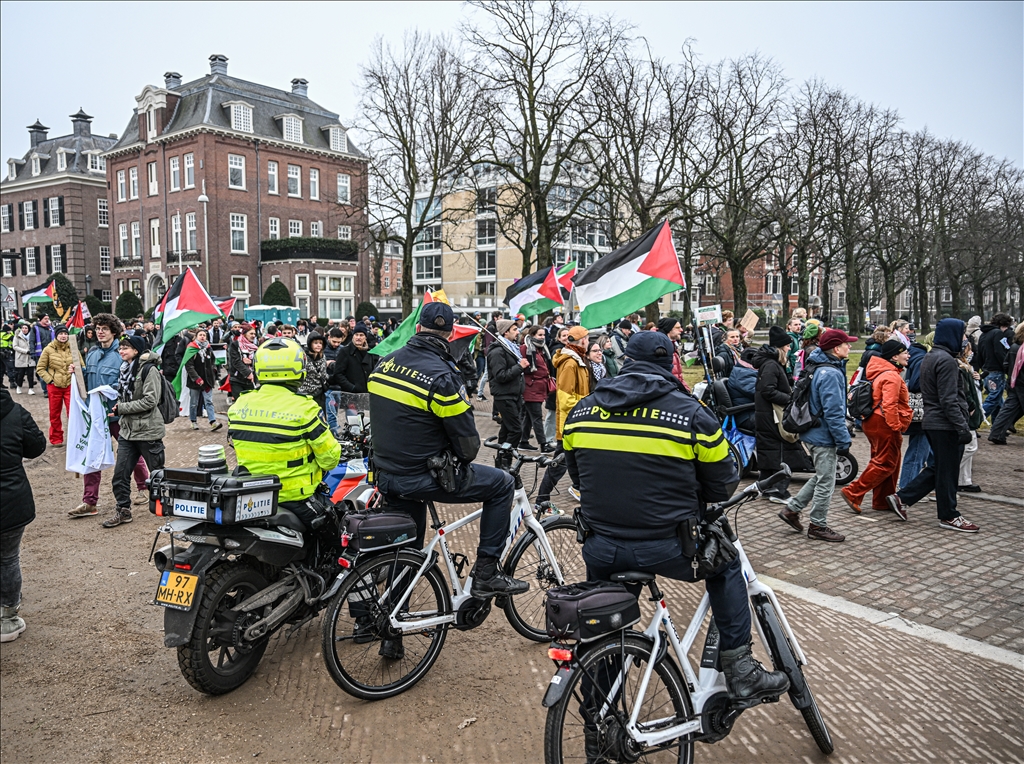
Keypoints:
pixel 239 361
pixel 315 383
pixel 24 365
pixel 918 450
pixel 771 395
pixel 1013 408
pixel 141 424
pixel 52 368
pixel 487 338
pixel 969 381
pixel 992 347
pixel 946 427
pixel 20 438
pixel 538 383
pixel 505 367
pixel 827 367
pixel 42 335
pixel 201 372
pixel 884 428
pixel 353 365
pixel 794 328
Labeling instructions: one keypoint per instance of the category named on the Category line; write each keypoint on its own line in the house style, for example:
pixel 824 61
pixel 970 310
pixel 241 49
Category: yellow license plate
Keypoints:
pixel 176 590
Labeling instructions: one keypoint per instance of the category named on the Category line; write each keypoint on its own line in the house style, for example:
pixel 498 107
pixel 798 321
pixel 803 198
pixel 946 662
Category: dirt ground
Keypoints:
pixel 90 680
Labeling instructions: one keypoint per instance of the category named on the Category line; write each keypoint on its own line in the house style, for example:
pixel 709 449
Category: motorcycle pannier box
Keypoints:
pixel 370 531
pixel 221 499
pixel 589 610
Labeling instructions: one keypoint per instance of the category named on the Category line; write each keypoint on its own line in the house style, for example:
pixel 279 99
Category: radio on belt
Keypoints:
pixel 216 498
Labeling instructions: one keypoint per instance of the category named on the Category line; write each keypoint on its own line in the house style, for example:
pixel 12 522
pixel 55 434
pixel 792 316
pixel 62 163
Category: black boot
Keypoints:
pixel 749 683
pixel 489 580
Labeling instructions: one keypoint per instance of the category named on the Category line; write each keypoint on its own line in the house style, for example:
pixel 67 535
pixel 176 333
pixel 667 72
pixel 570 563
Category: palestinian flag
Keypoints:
pixel 43 293
pixel 227 306
pixel 534 294
pixel 460 339
pixel 565 276
pixel 629 278
pixel 186 304
pixel 76 321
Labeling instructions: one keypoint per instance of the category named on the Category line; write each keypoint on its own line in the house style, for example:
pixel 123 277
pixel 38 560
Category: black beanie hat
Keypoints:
pixel 891 348
pixel 778 337
pixel 654 347
pixel 665 325
pixel 137 342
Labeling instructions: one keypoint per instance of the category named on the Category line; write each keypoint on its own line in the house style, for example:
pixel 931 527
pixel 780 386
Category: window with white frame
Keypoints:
pixel 339 140
pixel 486 232
pixel 190 171
pixel 316 229
pixel 344 188
pixel 302 283
pixel 120 286
pixel 238 233
pixel 122 192
pixel 57 258
pixel 429 239
pixel 97 163
pixel 133 182
pixel 176 233
pixel 102 213
pixel 314 183
pixel 427 268
pixel 104 259
pixel 274 228
pixel 486 260
pixel 191 238
pixel 294 228
pixel 387 266
pixel 36 169
pixel 136 240
pixel 841 299
pixel 30 215
pixel 794 285
pixel 151 177
pixel 122 232
pixel 345 232
pixel 105 295
pixel 31 265
pixel 272 177
pixel 236 171
pixel 947 295
pixel 150 124
pixel 12 170
pixel 154 237
pixel 53 208
pixel 175 173
pixel 293 129
pixel 5 218
pixel 62 161
pixel 711 284
pixel 240 284
pixel 334 294
pixel 8 268
pixel 241 118
pixel 294 180
pixel 387 282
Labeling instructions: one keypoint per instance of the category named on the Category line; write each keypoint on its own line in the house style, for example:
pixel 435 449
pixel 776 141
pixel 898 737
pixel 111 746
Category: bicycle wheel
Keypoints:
pixel 744 470
pixel 527 562
pixel 365 656
pixel 785 660
pixel 588 725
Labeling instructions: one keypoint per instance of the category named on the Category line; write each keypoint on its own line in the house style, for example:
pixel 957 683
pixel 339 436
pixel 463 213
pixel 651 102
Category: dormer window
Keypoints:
pixel 62 161
pixel 339 140
pixel 12 170
pixel 241 118
pixel 151 125
pixel 35 166
pixel 292 129
pixel 97 163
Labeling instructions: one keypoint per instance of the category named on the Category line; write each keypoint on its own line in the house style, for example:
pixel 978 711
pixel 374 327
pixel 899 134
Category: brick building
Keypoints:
pixel 53 211
pixel 208 170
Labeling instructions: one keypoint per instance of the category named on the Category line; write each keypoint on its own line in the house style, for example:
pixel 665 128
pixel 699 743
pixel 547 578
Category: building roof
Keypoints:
pixel 75 146
pixel 202 104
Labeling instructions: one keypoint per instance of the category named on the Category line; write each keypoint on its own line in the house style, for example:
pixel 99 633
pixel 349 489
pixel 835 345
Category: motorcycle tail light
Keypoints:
pixel 182 566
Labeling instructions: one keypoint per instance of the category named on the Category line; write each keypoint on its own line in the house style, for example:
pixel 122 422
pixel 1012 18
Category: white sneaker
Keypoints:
pixel 17 390
pixel 31 391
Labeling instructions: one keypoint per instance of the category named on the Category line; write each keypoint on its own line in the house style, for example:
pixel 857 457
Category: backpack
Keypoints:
pixel 860 402
pixel 797 416
pixel 168 403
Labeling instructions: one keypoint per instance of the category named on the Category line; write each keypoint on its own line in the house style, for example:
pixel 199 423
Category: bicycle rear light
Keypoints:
pixel 560 654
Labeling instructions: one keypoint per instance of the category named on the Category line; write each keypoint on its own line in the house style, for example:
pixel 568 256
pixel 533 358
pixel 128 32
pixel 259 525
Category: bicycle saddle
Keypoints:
pixel 632 577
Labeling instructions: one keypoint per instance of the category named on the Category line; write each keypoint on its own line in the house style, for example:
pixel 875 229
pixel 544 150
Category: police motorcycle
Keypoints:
pixel 238 567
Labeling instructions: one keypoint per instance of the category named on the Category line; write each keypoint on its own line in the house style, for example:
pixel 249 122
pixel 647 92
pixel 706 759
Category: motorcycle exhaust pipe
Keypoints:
pixel 160 557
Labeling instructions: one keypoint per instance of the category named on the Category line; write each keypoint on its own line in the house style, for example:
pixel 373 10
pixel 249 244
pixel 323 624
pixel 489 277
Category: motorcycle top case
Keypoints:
pixel 371 531
pixel 589 610
pixel 220 499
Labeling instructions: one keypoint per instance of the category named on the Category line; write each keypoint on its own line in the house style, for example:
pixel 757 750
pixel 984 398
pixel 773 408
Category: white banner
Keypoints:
pixel 88 440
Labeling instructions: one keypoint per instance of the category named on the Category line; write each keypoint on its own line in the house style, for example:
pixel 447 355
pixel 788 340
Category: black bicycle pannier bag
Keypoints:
pixel 589 610
pixel 371 531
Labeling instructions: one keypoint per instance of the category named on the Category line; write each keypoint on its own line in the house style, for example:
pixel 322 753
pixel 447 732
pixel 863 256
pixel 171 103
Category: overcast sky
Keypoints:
pixel 957 68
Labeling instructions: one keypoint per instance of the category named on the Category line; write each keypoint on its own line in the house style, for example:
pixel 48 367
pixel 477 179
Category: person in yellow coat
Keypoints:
pixel 52 368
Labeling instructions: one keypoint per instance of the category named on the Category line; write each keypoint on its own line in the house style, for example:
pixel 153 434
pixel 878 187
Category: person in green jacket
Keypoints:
pixel 140 385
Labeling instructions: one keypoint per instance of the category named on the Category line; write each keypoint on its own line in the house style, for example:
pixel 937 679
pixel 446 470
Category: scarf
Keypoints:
pixel 512 346
pixel 126 380
pixel 204 350
pixel 245 345
pixel 533 347
pixel 600 372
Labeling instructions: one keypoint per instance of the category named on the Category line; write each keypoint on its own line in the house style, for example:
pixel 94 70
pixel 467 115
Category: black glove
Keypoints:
pixel 964 437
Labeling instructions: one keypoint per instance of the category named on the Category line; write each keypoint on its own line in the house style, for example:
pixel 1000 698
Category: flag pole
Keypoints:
pixel 485 329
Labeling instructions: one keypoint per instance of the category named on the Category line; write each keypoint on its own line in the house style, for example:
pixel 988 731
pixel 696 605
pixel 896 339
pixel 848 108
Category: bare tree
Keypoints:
pixel 420 112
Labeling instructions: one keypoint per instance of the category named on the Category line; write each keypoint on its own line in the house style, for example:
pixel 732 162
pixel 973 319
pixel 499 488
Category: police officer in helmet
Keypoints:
pixel 641 428
pixel 420 410
pixel 277 431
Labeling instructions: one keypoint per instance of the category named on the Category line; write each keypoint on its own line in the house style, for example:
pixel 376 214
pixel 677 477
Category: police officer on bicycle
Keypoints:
pixel 425 438
pixel 674 450
pixel 277 431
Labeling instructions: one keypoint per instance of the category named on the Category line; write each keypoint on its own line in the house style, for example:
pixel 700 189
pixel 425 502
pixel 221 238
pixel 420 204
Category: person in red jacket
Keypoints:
pixel 539 383
pixel 884 428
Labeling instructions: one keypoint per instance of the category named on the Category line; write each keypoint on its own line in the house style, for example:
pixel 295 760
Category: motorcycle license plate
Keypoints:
pixel 176 590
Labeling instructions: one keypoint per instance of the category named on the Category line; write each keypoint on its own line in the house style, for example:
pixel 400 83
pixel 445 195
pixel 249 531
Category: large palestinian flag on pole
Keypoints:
pixel 534 294
pixel 461 335
pixel 629 278
pixel 186 304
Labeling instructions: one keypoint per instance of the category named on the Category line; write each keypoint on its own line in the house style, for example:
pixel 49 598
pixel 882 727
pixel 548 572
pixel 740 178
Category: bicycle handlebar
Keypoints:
pixel 542 460
pixel 714 511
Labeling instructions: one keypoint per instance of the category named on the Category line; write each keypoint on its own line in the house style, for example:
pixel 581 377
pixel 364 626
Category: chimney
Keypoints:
pixel 218 64
pixel 80 123
pixel 172 80
pixel 37 133
pixel 299 87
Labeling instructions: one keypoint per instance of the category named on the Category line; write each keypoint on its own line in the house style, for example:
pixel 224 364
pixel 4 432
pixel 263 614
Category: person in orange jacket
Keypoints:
pixel 884 428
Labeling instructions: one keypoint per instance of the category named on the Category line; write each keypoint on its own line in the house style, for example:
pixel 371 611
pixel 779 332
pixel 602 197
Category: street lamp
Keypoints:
pixel 204 200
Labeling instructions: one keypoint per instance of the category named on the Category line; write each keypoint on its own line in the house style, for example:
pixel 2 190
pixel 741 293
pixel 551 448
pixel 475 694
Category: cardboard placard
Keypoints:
pixel 749 321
